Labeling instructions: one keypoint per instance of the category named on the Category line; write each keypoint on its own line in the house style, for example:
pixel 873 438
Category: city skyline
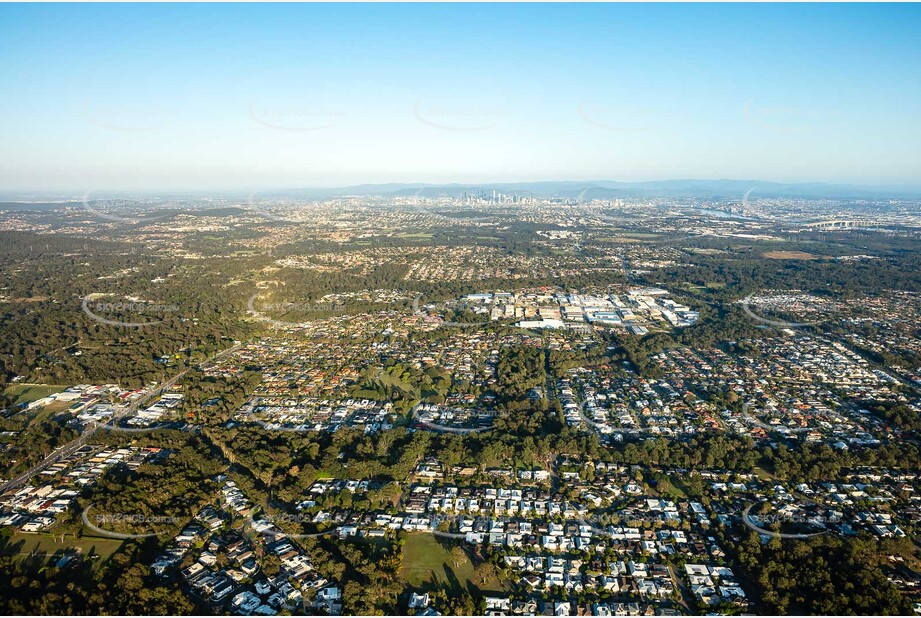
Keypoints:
pixel 478 309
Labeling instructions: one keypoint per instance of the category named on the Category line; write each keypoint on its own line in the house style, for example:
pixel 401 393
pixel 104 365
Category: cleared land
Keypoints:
pixel 427 559
pixel 788 255
pixel 45 546
pixel 27 393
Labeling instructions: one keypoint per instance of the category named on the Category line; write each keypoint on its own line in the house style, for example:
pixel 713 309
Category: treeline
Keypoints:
pixel 520 369
pixel 404 385
pixel 122 585
pixel 561 361
pixel 19 245
pixel 289 462
pixel 161 495
pixel 47 332
pixel 715 326
pixel 745 274
pixel 813 462
pixel 823 575
pixel 899 414
pixel 32 439
pixel 888 357
pixel 213 400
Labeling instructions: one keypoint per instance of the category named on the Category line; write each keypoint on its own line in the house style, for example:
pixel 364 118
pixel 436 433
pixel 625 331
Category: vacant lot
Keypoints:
pixel 427 559
pixel 788 255
pixel 27 393
pixel 22 545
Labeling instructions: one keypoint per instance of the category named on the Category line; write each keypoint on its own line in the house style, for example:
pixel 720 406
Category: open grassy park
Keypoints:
pixel 27 393
pixel 44 547
pixel 428 559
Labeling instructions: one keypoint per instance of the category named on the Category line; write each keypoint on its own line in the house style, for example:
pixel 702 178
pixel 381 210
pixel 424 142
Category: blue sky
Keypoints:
pixel 231 96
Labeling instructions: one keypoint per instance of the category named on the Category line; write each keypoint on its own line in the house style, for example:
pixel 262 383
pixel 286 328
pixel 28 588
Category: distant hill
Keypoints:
pixel 13 205
pixel 608 189
pixel 164 213
pixel 588 190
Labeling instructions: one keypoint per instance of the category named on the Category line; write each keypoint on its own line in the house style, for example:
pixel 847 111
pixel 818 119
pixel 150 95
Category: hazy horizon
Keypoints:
pixel 878 191
pixel 234 97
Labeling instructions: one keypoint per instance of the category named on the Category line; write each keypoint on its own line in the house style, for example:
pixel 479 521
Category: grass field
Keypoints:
pixel 427 559
pixel 21 545
pixel 788 255
pixel 27 393
pixel 674 489
pixel 625 240
pixel 642 235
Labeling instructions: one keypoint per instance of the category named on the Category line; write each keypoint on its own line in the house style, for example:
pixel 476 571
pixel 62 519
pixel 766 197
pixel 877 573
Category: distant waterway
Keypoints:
pixel 719 214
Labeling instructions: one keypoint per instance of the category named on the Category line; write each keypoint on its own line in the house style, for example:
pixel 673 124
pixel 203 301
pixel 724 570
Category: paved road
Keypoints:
pixel 682 589
pixel 59 453
pixel 774 428
pixel 291 518
pixel 631 278
pixel 446 428
pixel 113 424
pixel 887 370
pixel 72 446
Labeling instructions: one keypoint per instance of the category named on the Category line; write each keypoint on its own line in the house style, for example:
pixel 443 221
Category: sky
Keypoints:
pixel 204 97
